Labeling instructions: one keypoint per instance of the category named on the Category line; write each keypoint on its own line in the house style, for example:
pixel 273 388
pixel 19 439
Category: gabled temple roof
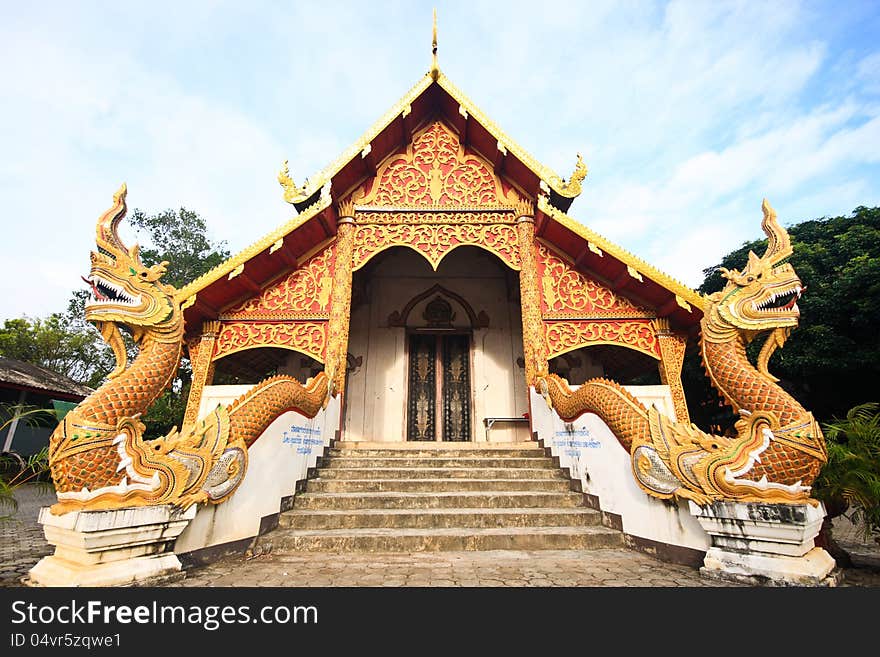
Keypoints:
pixel 249 271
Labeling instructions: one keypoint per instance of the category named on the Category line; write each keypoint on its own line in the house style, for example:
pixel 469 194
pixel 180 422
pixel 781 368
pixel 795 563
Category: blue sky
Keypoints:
pixel 687 113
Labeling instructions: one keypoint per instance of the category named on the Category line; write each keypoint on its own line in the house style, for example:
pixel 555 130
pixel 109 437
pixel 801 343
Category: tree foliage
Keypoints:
pixel 851 478
pixel 829 360
pixel 60 343
pixel 181 239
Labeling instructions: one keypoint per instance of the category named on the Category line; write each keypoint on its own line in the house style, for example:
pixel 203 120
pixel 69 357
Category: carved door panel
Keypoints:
pixel 456 388
pixel 422 398
pixel 439 388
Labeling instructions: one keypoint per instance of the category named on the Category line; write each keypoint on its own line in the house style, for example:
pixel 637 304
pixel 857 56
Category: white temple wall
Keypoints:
pixel 279 458
pixel 376 391
pixel 600 462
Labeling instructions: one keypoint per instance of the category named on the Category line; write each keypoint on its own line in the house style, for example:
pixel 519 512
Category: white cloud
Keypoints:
pixel 687 113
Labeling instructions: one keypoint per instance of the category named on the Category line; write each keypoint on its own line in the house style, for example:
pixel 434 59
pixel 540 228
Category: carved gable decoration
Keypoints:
pixel 566 293
pixel 435 172
pixel 303 294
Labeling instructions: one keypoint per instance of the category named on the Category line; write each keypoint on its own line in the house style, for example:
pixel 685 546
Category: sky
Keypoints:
pixel 687 113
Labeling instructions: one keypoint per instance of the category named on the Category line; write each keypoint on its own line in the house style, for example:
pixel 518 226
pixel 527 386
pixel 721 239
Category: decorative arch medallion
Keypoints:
pixel 477 320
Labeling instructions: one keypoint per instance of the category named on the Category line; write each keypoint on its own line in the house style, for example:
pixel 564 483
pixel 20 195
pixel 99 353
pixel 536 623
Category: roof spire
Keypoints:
pixel 435 68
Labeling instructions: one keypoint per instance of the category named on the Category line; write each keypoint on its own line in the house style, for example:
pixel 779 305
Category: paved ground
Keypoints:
pixel 22 545
pixel 21 538
pixel 497 568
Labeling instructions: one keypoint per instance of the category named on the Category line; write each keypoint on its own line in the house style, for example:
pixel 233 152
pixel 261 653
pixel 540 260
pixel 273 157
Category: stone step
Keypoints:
pixel 433 485
pixel 437 453
pixel 441 473
pixel 442 500
pixel 423 540
pixel 433 445
pixel 439 518
pixel 431 462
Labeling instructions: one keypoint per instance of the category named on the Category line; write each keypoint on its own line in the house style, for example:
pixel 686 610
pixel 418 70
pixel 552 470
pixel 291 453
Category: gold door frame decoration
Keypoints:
pixel 306 337
pixel 562 337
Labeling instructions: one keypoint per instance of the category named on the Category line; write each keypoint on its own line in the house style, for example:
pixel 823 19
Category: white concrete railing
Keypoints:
pixel 595 457
pixel 276 461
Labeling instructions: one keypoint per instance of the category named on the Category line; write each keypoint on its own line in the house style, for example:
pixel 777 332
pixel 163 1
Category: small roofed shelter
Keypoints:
pixel 28 385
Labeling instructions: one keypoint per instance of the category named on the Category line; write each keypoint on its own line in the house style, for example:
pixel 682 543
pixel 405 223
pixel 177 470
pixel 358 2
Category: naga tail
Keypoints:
pixel 254 411
pixel 624 414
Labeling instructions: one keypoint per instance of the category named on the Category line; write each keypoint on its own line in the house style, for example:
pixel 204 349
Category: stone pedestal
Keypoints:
pixel 124 547
pixel 765 544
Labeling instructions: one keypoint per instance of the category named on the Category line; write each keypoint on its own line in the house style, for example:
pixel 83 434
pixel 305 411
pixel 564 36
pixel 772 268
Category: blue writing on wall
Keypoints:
pixel 303 437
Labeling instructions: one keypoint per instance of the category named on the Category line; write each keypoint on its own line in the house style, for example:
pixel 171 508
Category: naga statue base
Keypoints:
pixel 123 547
pixel 765 544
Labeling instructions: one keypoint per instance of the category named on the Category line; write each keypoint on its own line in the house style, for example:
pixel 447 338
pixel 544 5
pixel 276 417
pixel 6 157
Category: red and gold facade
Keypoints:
pixel 439 190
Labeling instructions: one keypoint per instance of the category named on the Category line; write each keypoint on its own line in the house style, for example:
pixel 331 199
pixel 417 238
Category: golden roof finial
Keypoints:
pixel 435 67
pixel 573 187
pixel 292 193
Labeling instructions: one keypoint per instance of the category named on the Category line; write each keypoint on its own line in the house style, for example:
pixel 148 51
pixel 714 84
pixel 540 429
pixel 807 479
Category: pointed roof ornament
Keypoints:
pixel 435 67
pixel 573 187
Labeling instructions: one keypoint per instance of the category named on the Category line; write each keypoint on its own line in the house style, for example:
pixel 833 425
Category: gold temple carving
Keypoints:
pixel 436 171
pixel 307 337
pixel 564 336
pixel 434 241
pixel 566 293
pixel 302 294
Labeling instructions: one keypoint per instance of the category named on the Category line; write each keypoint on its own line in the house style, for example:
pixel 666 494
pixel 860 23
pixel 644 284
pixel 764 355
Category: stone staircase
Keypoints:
pixel 411 497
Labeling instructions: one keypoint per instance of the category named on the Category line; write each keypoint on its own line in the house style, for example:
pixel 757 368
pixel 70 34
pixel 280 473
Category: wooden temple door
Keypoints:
pixel 439 387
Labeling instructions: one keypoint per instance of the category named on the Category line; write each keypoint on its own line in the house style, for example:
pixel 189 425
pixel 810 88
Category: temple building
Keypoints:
pixel 445 252
pixel 433 355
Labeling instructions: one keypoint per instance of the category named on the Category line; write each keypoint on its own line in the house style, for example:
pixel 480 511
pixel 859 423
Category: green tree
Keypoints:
pixel 180 238
pixel 850 481
pixel 836 348
pixel 14 470
pixel 58 343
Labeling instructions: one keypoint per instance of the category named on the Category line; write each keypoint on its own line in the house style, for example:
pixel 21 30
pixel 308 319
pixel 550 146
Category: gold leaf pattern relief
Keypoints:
pixel 305 292
pixel 422 407
pixel 672 348
pixel 567 292
pixel 307 337
pixel 435 171
pixel 564 336
pixel 435 241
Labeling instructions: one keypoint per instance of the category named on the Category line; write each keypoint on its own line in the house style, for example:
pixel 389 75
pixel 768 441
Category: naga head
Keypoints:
pixel 125 292
pixel 763 296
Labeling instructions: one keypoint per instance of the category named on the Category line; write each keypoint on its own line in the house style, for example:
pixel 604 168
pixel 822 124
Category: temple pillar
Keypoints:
pixel 672 348
pixel 201 357
pixel 534 347
pixel 340 304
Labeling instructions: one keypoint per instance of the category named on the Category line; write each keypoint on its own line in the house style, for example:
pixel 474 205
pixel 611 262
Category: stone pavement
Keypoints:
pixel 22 545
pixel 21 539
pixel 496 568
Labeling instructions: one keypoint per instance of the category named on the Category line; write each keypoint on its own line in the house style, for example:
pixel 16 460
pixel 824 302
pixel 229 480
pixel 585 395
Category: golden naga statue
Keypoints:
pixel 97 455
pixel 778 449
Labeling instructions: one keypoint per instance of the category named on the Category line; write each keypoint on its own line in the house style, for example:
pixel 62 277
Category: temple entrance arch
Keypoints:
pixel 438 348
